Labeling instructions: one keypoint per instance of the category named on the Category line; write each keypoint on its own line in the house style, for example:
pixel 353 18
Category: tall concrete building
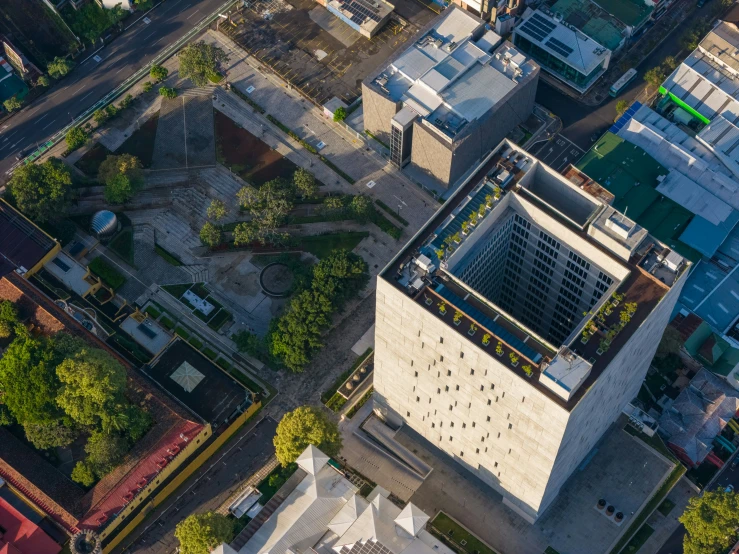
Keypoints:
pixel 447 100
pixel 512 331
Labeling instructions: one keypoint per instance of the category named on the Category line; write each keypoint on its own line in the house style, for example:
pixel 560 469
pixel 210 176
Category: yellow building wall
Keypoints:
pixel 176 482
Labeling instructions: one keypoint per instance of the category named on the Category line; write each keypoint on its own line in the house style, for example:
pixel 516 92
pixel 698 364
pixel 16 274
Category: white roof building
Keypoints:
pixel 325 515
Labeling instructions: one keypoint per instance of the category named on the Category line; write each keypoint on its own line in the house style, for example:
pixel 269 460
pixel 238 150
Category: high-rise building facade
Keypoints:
pixel 516 325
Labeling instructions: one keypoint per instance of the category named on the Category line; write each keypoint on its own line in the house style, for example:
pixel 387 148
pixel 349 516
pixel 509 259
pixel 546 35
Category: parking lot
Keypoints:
pixel 557 152
pixel 314 51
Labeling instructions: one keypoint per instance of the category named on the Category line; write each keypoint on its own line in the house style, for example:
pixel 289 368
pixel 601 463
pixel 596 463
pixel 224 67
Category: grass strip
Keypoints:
pixel 638 540
pixel 210 354
pixel 677 472
pixel 248 100
pixel 453 535
pixel 391 211
pixel 152 312
pixel 168 257
pixel 336 402
pixel 362 401
pixel 107 273
pixel 386 225
pixel 336 170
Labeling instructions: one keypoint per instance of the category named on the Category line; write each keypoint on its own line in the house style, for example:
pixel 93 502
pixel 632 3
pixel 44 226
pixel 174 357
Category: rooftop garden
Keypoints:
pixel 466 223
pixel 605 325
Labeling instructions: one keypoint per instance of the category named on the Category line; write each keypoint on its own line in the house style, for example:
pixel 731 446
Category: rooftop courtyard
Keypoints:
pixel 538 272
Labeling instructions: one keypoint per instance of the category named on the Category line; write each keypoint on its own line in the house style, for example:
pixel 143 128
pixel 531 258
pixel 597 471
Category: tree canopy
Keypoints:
pixel 12 104
pixel 711 522
pixel 305 183
pixel 199 61
pixel 59 67
pixel 304 426
pixel 158 73
pixel 268 207
pixel 42 191
pixel 123 177
pixel 200 533
pixel 76 137
pixel 8 319
pixel 57 388
pixel 210 234
pixel 216 210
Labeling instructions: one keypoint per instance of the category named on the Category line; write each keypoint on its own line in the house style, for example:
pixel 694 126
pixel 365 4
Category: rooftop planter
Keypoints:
pixel 486 339
pixel 528 371
pixel 442 307
pixel 514 359
pixel 457 318
pixel 472 330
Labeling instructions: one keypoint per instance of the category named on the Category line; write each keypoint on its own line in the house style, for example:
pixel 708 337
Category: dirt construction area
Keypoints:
pixel 314 51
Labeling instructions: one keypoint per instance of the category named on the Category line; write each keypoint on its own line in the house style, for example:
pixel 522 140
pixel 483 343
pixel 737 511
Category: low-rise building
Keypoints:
pixel 24 248
pixel 322 512
pixel 367 17
pixel 445 101
pixel 572 40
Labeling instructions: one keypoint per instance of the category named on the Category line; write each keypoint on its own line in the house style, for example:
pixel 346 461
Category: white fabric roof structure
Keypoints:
pixel 325 514
pixel 722 137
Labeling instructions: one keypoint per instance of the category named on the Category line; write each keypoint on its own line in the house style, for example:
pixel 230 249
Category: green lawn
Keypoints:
pixel 183 333
pixel 454 534
pixel 267 490
pixel 638 540
pixel 169 258
pixel 210 353
pixel 195 342
pixel 666 507
pixel 220 319
pixel 122 245
pixel 107 272
pixel 167 323
pixel 322 245
pixel 176 290
pixel 153 312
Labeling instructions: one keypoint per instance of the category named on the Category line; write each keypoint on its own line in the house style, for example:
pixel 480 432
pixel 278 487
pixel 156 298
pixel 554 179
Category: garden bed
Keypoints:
pixel 322 245
pixel 107 273
pixel 453 535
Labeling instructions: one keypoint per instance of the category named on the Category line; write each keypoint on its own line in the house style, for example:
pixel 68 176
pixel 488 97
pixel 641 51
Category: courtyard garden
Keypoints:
pixel 202 304
pixel 456 537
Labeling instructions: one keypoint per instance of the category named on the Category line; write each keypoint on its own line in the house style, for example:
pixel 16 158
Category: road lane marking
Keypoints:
pixel 50 122
pixel 121 69
pixel 193 13
pixel 86 95
pixel 147 37
pixel 40 118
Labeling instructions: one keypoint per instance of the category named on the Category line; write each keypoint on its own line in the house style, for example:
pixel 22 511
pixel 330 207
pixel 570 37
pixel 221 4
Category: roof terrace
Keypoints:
pixel 431 270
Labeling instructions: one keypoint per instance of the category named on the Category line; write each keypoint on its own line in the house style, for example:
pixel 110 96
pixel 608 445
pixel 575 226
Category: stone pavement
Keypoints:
pixel 343 148
pixel 664 526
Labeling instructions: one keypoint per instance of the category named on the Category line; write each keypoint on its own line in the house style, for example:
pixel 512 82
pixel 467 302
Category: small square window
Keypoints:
pixel 477 450
pixel 451 424
pixel 509 450
pixel 489 402
pixel 496 464
pixel 482 388
pixel 464 426
pixel 450 407
pixel 418 398
pixel 472 371
pixel 415 374
pixel 433 425
pixel 474 423
pixel 446 388
pixel 448 372
pixel 492 386
pixel 461 354
pixel 498 434
pixel 510 425
pixel 441 340
pixel 450 438
pixel 408 414
pixel 461 454
pixel 456 388
pixel 438 391
pixel 441 358
pixel 488 418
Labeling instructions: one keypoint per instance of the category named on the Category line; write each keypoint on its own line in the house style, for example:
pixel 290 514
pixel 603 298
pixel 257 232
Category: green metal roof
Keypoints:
pixel 631 175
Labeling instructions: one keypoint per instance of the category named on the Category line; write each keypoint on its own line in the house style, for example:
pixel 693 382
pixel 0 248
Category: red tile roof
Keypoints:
pixel 69 507
pixel 21 535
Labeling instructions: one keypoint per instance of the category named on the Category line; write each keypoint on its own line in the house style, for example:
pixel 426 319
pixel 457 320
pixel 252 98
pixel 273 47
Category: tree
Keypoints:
pixel 123 177
pixel 76 137
pixel 28 384
pixel 210 235
pixel 105 451
pixel 711 522
pixel 245 233
pixel 168 92
pixel 333 204
pixel 361 207
pixel 669 64
pixel 304 426
pixel 268 207
pixel 92 386
pixel 670 343
pixel 83 474
pixel 126 102
pixel 201 533
pixel 217 210
pixel 621 107
pixel 8 319
pixel 50 435
pixel 43 81
pixel 41 191
pixel 147 86
pixel 12 104
pixel 199 61
pixel 654 77
pixel 158 73
pixel 100 116
pixel 305 183
pixel 340 114
pixel 59 67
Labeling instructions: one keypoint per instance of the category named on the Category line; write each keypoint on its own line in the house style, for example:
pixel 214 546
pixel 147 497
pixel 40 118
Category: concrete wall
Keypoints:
pixel 448 162
pixel 617 386
pixel 413 370
pixel 378 111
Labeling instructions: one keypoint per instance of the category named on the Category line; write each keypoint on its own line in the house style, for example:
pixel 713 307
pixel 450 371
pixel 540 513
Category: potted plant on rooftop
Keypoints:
pixel 472 330
pixel 499 349
pixel 442 307
pixel 497 191
pixel 473 219
pixel 527 370
pixel 427 300
pixel 585 336
pixel 456 238
pixel 489 201
pixel 465 228
pixel 457 318
pixel 486 339
pixel 514 358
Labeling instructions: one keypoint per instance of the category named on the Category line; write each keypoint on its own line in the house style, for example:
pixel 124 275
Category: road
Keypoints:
pixel 206 490
pixel 92 80
pixel 581 122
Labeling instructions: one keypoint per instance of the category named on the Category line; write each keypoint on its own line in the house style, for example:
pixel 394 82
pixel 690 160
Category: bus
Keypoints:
pixel 625 79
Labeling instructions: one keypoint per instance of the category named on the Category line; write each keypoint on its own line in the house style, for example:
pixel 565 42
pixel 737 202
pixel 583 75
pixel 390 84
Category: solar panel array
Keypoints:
pixel 560 47
pixel 538 27
pixel 360 11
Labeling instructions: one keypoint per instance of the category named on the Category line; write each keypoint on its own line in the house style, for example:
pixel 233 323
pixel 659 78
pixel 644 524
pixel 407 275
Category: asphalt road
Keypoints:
pixel 206 490
pixel 581 122
pixel 92 80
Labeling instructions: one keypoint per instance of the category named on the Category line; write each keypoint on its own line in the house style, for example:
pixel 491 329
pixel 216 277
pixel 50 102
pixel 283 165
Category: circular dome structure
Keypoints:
pixel 86 541
pixel 104 224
